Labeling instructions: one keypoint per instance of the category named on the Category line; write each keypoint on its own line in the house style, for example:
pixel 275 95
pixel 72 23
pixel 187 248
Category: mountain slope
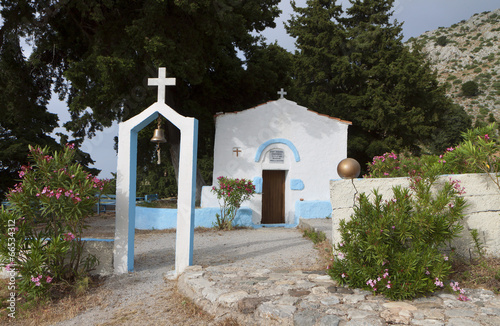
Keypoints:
pixel 464 52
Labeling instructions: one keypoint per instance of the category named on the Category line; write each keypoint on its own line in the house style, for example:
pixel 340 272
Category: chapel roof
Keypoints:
pixel 283 99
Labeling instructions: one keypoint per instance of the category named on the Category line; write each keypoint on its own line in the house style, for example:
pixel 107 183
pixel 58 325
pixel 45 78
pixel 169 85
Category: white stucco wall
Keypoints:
pixel 481 194
pixel 320 142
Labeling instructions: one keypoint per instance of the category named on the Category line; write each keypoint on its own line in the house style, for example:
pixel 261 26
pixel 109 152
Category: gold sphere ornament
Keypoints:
pixel 348 168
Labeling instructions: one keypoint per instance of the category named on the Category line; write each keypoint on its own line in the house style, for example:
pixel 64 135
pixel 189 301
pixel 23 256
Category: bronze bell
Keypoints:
pixel 158 136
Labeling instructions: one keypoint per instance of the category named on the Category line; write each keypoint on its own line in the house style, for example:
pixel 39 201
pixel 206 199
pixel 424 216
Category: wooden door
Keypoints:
pixel 273 196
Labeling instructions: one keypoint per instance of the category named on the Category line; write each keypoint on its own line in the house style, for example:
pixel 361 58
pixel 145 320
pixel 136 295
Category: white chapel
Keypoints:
pixel 289 152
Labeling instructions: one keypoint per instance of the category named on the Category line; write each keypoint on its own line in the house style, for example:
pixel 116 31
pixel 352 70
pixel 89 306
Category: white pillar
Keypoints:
pixel 186 197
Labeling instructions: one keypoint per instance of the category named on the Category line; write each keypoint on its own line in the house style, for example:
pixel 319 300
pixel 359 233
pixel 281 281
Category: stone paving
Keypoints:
pixel 279 297
pixel 255 294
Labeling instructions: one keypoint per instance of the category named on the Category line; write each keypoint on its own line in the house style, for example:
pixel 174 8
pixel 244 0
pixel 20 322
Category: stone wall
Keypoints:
pixel 481 193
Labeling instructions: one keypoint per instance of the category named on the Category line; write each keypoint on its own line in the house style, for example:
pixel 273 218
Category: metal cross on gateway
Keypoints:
pixel 282 93
pixel 162 81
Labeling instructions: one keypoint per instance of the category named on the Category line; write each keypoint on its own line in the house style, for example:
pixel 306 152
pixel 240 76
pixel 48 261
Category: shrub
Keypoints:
pixel 480 149
pixel 45 221
pixel 231 193
pixel 392 165
pixel 475 154
pixel 470 88
pixel 393 247
pixel 442 40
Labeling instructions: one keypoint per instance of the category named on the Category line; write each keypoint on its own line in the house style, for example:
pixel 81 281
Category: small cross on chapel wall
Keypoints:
pixel 282 93
pixel 162 81
pixel 236 150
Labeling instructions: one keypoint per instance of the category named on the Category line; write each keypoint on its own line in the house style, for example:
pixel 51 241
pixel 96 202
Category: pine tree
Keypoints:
pixel 24 118
pixel 389 92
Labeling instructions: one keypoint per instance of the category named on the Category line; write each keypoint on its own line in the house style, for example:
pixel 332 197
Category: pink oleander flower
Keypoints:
pixel 69 236
pixel 341 255
pixel 49 279
pixel 486 137
pixel 343 275
pixel 8 267
pixel 462 297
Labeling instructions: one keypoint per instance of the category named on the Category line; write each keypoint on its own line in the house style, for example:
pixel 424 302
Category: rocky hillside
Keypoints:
pixel 469 52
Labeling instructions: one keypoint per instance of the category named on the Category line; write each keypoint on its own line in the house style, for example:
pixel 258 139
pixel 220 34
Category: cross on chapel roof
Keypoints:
pixel 282 93
pixel 162 81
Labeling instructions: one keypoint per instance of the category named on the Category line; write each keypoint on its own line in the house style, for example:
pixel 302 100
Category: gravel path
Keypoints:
pixel 141 298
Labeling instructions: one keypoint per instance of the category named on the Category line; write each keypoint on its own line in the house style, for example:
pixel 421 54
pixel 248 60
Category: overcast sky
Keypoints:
pixel 418 16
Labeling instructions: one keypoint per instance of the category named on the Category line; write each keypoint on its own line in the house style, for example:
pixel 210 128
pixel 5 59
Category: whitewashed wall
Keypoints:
pixel 320 142
pixel 482 195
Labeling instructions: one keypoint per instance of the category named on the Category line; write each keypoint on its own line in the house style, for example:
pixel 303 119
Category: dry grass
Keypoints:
pixel 65 305
pixel 483 273
pixel 167 307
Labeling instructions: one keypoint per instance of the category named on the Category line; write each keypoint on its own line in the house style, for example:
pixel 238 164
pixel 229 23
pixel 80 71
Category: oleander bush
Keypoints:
pixel 231 193
pixel 42 227
pixel 477 153
pixel 395 247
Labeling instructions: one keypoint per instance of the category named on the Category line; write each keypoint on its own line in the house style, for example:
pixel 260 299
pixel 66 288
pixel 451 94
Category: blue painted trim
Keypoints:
pixel 296 184
pixel 257 182
pixel 99 240
pixel 280 225
pixel 277 141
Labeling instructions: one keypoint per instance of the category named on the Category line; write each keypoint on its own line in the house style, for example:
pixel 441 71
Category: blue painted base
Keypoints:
pixel 147 218
pixel 94 239
pixel 312 209
pixel 278 225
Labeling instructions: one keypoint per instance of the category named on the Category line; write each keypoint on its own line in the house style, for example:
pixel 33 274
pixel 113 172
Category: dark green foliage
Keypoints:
pixel 98 55
pixel 470 89
pixel 354 66
pixel 446 136
pixel 442 40
pixel 153 178
pixel 393 247
pixel 24 118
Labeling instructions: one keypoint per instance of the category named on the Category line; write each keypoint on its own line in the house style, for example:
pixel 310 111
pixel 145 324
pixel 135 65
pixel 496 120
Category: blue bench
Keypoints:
pixel 107 203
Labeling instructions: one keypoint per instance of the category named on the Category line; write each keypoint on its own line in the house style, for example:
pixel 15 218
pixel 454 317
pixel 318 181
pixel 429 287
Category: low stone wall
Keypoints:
pixel 148 218
pixel 481 194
